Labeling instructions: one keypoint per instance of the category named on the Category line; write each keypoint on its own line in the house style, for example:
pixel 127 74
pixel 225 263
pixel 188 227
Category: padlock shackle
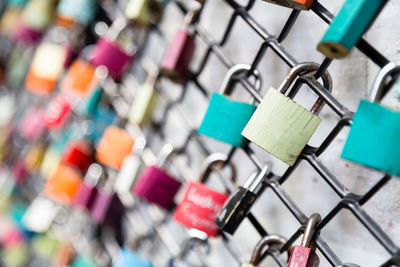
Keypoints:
pixel 303 69
pixel 378 89
pixel 255 181
pixel 226 86
pixel 271 241
pixel 200 238
pixel 116 28
pixel 309 231
pixel 215 161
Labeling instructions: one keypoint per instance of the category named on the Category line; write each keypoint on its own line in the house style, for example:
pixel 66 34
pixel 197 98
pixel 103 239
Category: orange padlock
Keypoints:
pixel 63 184
pixel 80 79
pixel 114 146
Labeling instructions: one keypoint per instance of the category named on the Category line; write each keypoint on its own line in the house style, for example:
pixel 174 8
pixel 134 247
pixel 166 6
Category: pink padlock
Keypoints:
pixel 57 112
pixel 110 54
pixel 27 35
pixel 87 191
pixel 31 126
pixel 107 209
pixel 180 52
pixel 20 171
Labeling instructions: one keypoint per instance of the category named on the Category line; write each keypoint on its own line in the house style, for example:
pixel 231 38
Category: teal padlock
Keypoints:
pixel 352 21
pixel 226 118
pixel 81 11
pixel 373 140
pixel 84 261
pixel 128 258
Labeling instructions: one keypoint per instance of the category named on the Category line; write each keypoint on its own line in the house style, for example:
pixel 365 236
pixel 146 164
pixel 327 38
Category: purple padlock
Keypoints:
pixel 20 172
pixel 107 209
pixel 157 187
pixel 27 35
pixel 87 191
pixel 112 56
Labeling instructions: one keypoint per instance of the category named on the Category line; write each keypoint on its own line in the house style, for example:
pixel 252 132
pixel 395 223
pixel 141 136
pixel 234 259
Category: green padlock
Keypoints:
pixel 281 126
pixel 225 118
pixel 143 12
pixel 349 25
pixel 145 101
pixel 373 140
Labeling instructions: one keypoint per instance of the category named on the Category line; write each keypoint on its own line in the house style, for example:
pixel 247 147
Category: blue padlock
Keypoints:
pixel 128 258
pixel 102 118
pixel 81 11
pixel 226 118
pixel 373 140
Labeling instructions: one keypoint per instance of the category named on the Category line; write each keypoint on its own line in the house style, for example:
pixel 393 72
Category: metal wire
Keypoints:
pixel 348 200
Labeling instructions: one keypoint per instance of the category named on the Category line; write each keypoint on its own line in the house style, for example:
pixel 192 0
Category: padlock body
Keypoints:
pixel 373 139
pixel 303 257
pixel 27 35
pixel 80 11
pixel 84 261
pixel 128 258
pixel 349 25
pixel 113 147
pixel 178 56
pixel 199 208
pixel 85 196
pixel 144 105
pixel 235 210
pixel 295 4
pixel 78 154
pixel 112 56
pixel 225 120
pixel 107 209
pixel 80 79
pixel 139 12
pixel 157 187
pixel 57 113
pixel 32 125
pixel 281 126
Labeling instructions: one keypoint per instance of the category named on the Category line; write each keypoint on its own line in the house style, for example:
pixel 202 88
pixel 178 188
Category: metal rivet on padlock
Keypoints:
pixel 80 11
pixel 304 255
pixel 128 258
pixel 156 185
pixel 201 204
pixel 87 191
pixel 196 239
pixel 62 185
pixel 353 20
pixel 80 79
pixel 109 53
pixel 239 203
pixel 295 4
pixel 280 125
pixel 226 118
pixel 145 101
pixel 113 147
pixel 180 51
pixel 79 154
pixel 143 12
pixel 46 68
pixel 271 242
pixel 372 140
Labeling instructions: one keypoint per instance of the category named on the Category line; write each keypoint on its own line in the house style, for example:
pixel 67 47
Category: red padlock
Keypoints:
pixel 79 154
pixel 109 53
pixel 200 204
pixel 304 255
pixel 58 112
pixel 156 185
pixel 180 51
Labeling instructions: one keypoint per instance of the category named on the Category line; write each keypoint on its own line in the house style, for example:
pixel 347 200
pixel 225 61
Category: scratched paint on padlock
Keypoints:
pixel 373 139
pixel 281 126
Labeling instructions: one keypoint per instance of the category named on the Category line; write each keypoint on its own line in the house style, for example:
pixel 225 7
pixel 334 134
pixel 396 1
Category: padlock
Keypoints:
pixel 51 159
pixel 102 118
pixel 295 4
pixel 84 261
pixel 39 215
pixel 352 21
pixel 145 101
pixel 109 53
pixel 201 204
pixel 195 240
pixel 180 51
pixel 128 258
pixel 280 125
pixel 271 242
pixel 91 102
pixel 26 35
pixel 87 191
pixel 80 79
pixel 46 68
pixel 107 209
pixel 65 255
pixel 304 255
pixel 57 112
pixel 62 185
pixel 239 204
pixel 34 156
pixel 9 19
pixel 79 154
pixel 20 172
pixel 78 11
pixel 31 126
pixel 38 14
pixel 113 147
pixel 156 185
pixel 372 140
pixel 143 12
pixel 131 168
pixel 225 118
